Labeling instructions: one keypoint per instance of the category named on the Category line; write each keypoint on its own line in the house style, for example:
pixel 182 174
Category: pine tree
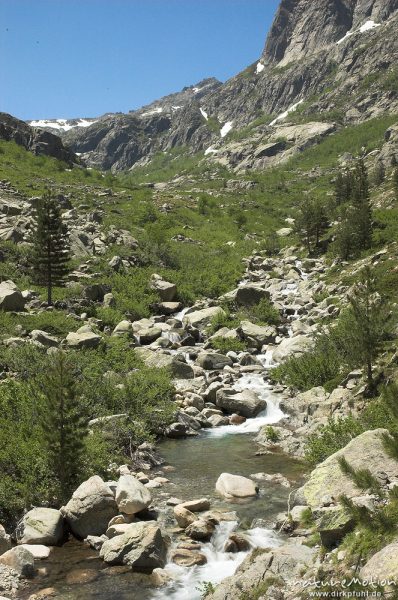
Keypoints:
pixel 370 323
pixel 361 202
pixel 379 174
pixel 64 425
pixel 50 254
pixel 311 221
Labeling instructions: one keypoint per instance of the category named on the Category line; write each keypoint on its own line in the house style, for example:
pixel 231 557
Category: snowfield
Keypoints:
pixel 286 113
pixel 226 128
pixel 62 124
pixel 365 27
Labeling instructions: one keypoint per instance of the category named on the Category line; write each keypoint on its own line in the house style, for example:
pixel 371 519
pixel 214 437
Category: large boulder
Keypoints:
pixel 202 318
pixel 235 486
pixel 363 452
pixel 286 563
pixel 83 338
pixel 5 540
pixel 246 403
pixel 11 298
pixel 212 361
pixel 333 523
pixel 19 559
pixel 91 508
pixel 292 346
pixel 256 334
pixel 142 547
pixel 41 526
pixel 160 360
pixel 166 290
pixel 251 294
pixel 131 495
pixel 383 565
pixel 44 338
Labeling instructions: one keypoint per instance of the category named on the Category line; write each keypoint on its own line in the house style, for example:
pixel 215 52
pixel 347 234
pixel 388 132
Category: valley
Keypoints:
pixel 198 331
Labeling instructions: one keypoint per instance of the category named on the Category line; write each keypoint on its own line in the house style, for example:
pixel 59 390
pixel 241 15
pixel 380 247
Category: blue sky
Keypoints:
pixel 82 58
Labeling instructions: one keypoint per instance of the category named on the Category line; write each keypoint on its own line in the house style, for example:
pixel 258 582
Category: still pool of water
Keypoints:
pixel 200 461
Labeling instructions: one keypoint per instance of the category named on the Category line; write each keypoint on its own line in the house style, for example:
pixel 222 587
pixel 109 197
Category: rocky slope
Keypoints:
pixel 35 140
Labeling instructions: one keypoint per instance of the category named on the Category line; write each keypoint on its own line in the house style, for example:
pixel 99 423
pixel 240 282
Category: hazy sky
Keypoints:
pixel 82 58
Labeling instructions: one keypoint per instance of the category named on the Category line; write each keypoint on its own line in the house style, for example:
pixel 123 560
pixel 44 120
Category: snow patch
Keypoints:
pixel 210 150
pixel 155 111
pixel 204 114
pixel 367 26
pixel 176 107
pixel 62 124
pixel 260 68
pixel 286 113
pixel 226 128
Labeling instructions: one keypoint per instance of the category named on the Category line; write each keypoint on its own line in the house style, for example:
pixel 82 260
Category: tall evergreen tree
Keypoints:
pixel 311 221
pixel 50 255
pixel 64 425
pixel 370 322
pixel 361 202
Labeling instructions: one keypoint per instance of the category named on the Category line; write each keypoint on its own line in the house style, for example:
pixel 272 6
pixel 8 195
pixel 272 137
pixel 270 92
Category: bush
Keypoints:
pixel 265 313
pixel 225 345
pixel 331 438
pixel 272 434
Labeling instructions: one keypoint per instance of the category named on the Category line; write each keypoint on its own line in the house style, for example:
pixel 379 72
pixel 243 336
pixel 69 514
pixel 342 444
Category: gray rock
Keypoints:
pixel 363 452
pixel 5 540
pixel 246 403
pixel 235 486
pixel 202 318
pixel 211 361
pixel 293 346
pixel 83 339
pixel 250 294
pixel 19 559
pixel 90 509
pixel 11 298
pixel 142 547
pixel 41 526
pixel 44 338
pixel 131 495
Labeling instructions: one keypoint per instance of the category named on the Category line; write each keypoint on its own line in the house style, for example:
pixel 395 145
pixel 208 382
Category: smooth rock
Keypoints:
pixel 41 526
pixel 235 486
pixel 90 509
pixel 131 495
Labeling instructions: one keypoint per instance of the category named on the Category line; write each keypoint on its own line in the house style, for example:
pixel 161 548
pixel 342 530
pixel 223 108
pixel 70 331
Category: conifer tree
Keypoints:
pixel 361 202
pixel 50 253
pixel 379 174
pixel 311 221
pixel 64 425
pixel 369 323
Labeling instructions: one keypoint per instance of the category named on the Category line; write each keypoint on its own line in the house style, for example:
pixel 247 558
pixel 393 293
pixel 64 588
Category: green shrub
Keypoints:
pixel 272 434
pixel 265 313
pixel 225 345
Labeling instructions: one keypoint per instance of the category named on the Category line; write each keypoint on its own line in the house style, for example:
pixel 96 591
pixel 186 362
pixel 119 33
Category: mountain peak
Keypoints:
pixel 301 28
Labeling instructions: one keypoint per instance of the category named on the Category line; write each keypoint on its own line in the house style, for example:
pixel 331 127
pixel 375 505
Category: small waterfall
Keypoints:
pixel 219 565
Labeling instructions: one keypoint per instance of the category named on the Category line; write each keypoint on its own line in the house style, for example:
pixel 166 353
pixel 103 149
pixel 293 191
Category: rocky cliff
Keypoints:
pixel 38 141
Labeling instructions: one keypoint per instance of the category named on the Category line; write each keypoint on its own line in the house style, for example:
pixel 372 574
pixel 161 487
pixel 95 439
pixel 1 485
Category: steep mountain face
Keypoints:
pixel 118 141
pixel 37 141
pixel 335 60
pixel 302 28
